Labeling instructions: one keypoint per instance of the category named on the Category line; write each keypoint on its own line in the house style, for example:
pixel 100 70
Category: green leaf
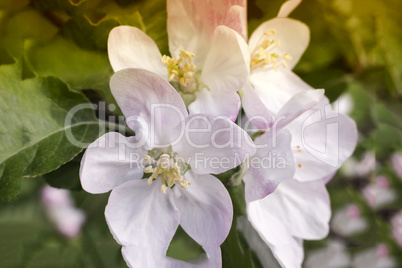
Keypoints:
pixel 87 34
pixel 150 17
pixel 34 136
pixel 80 68
pixel 27 23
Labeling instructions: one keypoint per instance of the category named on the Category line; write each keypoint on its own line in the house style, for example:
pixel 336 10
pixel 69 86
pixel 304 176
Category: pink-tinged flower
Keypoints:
pixel 179 152
pixel 348 221
pixel 296 211
pixel 61 211
pixel 334 256
pixel 397 164
pixel 374 258
pixel 379 193
pixel 396 223
pixel 210 61
pixel 363 168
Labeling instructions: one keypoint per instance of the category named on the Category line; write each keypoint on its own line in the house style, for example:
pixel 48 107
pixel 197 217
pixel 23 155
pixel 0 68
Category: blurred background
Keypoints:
pixel 355 54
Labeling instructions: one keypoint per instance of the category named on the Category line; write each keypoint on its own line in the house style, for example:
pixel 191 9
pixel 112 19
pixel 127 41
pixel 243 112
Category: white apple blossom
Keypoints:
pixel 179 152
pixel 363 168
pixel 209 60
pixel 397 164
pixel 332 256
pixel 396 223
pixel 322 138
pixel 378 257
pixel 379 193
pixel 348 221
pixel 61 211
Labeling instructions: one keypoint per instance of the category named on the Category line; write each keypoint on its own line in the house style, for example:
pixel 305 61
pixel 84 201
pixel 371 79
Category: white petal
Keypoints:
pixel 276 88
pixel 294 38
pixel 302 207
pixel 152 107
pixel 325 139
pixel 129 47
pixel 213 144
pixel 216 103
pixel 288 7
pixel 257 113
pixel 287 249
pixel 297 105
pixel 137 256
pixel 256 244
pixel 206 210
pixel 109 162
pixel 272 164
pixel 141 215
pixel 142 256
pixel 227 64
pixel 263 118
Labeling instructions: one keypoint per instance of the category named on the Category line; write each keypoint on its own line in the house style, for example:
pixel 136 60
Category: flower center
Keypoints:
pixel 168 169
pixel 265 55
pixel 180 70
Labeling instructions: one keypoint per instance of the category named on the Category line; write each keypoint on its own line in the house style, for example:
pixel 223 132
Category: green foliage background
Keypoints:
pixel 53 56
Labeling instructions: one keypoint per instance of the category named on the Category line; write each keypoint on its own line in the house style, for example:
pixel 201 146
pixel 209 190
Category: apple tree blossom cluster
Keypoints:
pixel 186 110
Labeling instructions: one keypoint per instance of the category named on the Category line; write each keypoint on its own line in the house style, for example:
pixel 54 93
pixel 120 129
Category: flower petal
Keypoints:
pixel 294 38
pixel 271 164
pixel 263 118
pixel 302 207
pixel 297 105
pixel 206 210
pixel 277 88
pixel 136 256
pixel 141 215
pixel 110 161
pixel 322 140
pixel 140 256
pixel 213 144
pixel 288 7
pixel 227 64
pixel 217 103
pixel 257 113
pixel 255 242
pixel 129 47
pixel 152 107
pixel 287 249
pixel 191 24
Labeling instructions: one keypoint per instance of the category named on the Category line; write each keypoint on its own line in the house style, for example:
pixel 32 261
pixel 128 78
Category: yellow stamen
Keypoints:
pixel 149 169
pixel 265 54
pixel 180 70
pixel 163 188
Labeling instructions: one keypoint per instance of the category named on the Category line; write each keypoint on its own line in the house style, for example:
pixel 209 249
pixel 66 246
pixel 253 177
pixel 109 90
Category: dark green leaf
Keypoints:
pixel 33 131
